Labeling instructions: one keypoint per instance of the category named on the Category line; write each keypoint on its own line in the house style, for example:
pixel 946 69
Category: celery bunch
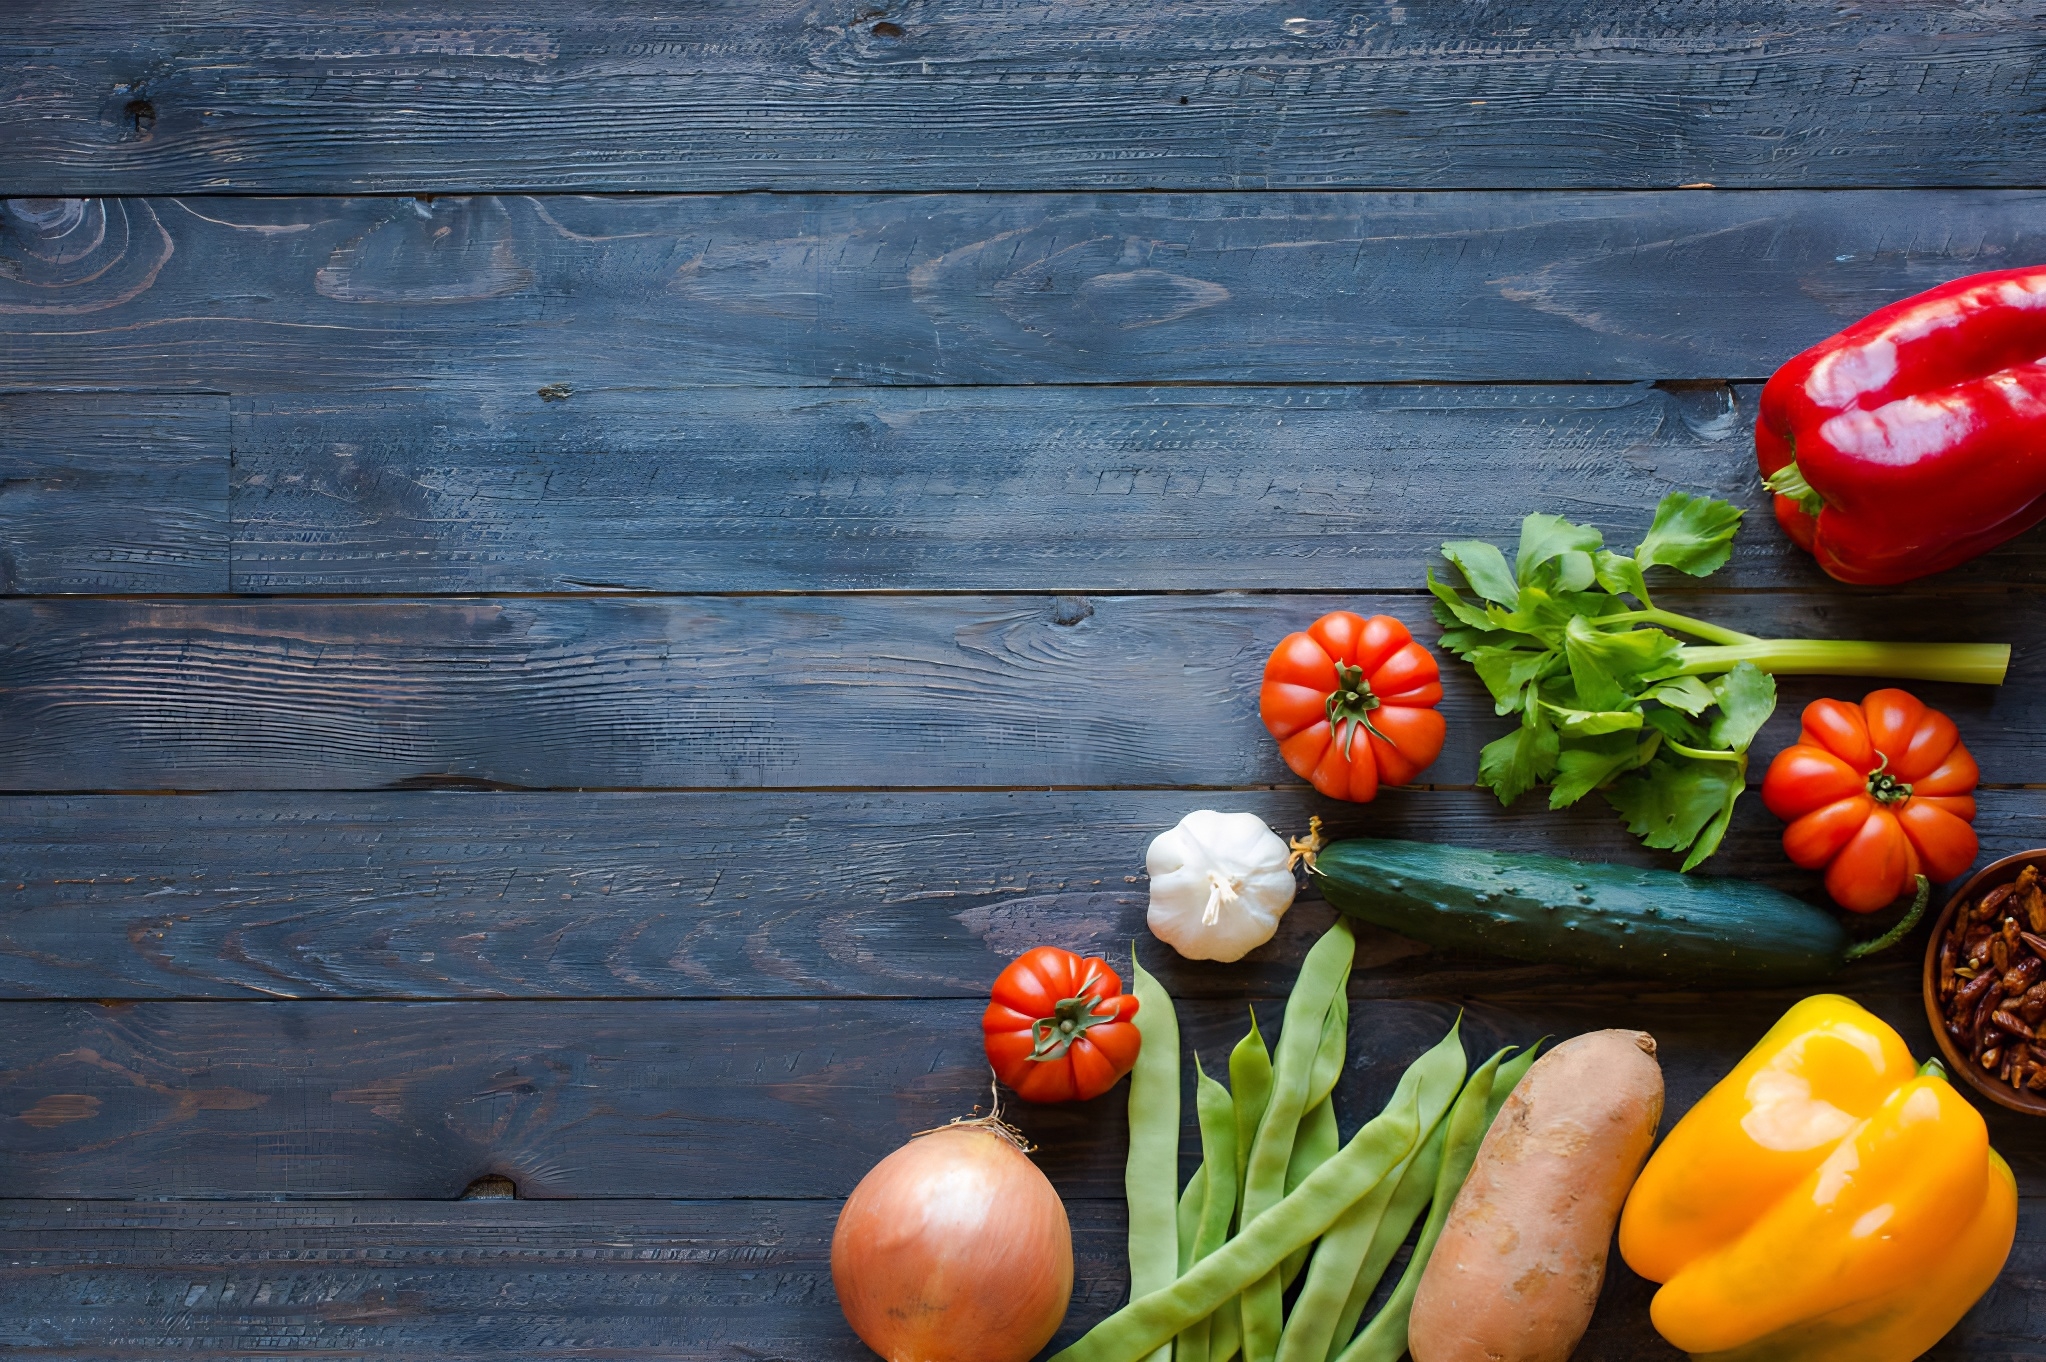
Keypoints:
pixel 1610 700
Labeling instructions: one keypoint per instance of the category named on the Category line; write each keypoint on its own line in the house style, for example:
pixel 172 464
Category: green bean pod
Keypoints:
pixel 1385 1338
pixel 1218 1206
pixel 1409 1201
pixel 1191 1202
pixel 1339 1257
pixel 1322 976
pixel 1315 1145
pixel 1315 993
pixel 1139 1328
pixel 1510 1074
pixel 1318 1138
pixel 1331 1050
pixel 1225 1331
pixel 1250 1087
pixel 1151 1177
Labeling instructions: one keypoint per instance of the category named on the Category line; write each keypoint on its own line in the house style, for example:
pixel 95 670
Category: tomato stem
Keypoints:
pixel 1349 705
pixel 1884 787
pixel 1051 1037
pixel 1897 933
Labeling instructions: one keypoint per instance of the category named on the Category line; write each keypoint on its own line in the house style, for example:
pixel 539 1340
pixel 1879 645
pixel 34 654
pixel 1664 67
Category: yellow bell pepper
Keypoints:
pixel 1826 1202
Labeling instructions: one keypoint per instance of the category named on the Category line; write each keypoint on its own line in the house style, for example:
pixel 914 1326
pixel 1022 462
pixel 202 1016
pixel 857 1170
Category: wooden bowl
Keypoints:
pixel 1983 880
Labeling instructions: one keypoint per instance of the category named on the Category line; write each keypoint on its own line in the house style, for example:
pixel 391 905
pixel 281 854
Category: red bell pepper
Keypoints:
pixel 1916 438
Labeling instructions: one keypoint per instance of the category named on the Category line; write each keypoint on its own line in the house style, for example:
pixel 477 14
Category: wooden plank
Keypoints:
pixel 782 1098
pixel 421 895
pixel 1086 489
pixel 978 488
pixel 447 1282
pixel 464 1280
pixel 113 492
pixel 726 1098
pixel 265 96
pixel 505 296
pixel 796 692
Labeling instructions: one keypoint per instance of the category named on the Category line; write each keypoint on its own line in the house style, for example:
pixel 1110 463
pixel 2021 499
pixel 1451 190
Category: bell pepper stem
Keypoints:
pixel 1788 481
pixel 1862 950
pixel 1980 664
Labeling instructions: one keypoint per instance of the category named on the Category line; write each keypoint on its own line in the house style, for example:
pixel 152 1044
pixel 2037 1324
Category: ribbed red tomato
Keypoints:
pixel 1877 794
pixel 1352 703
pixel 1060 1028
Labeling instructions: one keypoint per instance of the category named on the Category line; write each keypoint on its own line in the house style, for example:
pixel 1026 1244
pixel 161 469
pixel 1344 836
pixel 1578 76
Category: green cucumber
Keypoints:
pixel 1606 917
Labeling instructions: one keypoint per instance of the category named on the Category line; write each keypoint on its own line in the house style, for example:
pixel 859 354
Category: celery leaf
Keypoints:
pixel 1691 534
pixel 1543 537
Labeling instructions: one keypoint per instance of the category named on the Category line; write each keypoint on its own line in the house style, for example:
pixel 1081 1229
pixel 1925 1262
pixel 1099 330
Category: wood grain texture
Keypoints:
pixel 705 895
pixel 1200 301
pixel 505 296
pixel 985 488
pixel 795 691
pixel 268 96
pixel 708 1281
pixel 467 1281
pixel 732 1098
pixel 979 488
pixel 113 492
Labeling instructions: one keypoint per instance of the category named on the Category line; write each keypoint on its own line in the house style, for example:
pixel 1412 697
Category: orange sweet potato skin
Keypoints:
pixel 1523 1253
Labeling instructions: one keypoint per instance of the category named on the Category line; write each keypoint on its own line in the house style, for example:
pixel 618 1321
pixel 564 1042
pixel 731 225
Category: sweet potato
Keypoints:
pixel 1518 1268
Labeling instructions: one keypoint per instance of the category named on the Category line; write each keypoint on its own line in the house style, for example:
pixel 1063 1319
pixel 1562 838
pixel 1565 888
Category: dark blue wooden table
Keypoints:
pixel 579 576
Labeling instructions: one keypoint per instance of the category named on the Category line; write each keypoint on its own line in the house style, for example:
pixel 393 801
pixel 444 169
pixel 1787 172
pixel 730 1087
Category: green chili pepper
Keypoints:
pixel 1151 1178
pixel 1218 1150
pixel 1339 1258
pixel 1385 1338
pixel 1139 1328
pixel 1322 977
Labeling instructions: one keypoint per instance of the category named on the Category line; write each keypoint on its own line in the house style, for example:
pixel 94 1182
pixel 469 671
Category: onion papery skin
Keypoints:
pixel 954 1248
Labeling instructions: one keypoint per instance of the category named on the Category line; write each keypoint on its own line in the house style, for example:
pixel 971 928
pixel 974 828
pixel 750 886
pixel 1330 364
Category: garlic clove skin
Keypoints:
pixel 1219 885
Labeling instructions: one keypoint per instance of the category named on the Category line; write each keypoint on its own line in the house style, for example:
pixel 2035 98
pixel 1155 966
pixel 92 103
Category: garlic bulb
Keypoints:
pixel 1220 882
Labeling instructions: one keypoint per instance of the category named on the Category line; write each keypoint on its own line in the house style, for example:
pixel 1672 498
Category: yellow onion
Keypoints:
pixel 954 1248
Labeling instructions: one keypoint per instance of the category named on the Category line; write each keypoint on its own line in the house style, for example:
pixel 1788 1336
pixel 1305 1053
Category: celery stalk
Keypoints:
pixel 1981 664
